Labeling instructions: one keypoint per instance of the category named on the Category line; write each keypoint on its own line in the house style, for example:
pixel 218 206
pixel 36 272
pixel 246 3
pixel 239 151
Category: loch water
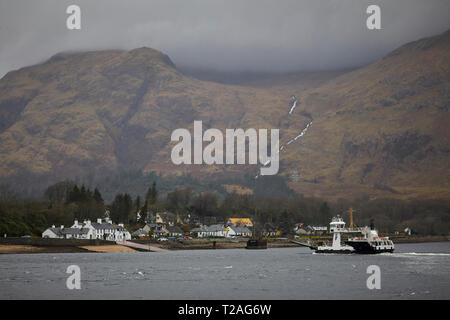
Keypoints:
pixel 413 271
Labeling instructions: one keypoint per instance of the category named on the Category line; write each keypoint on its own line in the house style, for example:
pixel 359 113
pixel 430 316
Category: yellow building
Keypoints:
pixel 240 222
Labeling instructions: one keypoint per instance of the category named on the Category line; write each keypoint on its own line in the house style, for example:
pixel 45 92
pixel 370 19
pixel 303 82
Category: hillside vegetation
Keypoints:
pixel 378 131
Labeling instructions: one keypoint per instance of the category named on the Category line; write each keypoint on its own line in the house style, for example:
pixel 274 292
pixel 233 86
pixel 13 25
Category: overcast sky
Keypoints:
pixel 228 35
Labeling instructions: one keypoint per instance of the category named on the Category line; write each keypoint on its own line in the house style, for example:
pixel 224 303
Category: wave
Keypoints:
pixel 427 254
pixel 418 254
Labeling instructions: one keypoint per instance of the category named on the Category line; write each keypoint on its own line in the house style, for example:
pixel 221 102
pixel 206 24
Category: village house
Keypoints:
pixel 140 233
pixel 104 230
pixel 301 228
pixel 246 222
pixel 165 218
pixel 174 231
pixel 160 224
pixel 67 233
pixel 221 231
pixel 152 226
pixel 213 231
pixel 233 231
pixel 270 231
pixel 157 230
pixel 319 230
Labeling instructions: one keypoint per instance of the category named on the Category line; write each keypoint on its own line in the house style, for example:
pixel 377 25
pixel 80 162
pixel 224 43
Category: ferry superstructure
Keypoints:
pixel 337 227
pixel 370 242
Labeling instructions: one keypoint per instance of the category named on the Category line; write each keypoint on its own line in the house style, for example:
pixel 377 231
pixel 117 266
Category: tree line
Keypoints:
pixel 65 201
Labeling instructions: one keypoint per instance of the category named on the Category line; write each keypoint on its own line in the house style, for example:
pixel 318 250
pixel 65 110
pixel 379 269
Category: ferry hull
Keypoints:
pixel 334 251
pixel 366 248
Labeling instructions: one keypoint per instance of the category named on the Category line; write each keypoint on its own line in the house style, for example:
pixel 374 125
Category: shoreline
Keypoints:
pixel 196 244
pixel 30 249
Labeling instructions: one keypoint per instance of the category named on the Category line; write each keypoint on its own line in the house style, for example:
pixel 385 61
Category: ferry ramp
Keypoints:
pixel 140 246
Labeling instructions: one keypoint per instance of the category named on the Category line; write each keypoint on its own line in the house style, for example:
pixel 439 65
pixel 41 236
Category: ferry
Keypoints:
pixel 369 242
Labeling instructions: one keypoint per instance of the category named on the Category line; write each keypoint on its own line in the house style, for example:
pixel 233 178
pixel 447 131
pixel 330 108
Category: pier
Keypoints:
pixel 140 246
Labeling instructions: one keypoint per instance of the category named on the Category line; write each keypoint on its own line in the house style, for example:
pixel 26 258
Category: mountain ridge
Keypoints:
pixel 381 130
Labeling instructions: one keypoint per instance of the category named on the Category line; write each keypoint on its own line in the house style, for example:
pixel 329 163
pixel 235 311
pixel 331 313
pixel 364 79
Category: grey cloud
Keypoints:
pixel 250 35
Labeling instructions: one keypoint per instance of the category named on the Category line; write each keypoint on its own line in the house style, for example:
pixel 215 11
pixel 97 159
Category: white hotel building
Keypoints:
pixel 103 230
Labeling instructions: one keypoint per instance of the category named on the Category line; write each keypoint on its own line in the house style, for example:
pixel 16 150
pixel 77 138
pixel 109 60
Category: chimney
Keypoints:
pixel 75 223
pixel 62 227
pixel 53 226
pixel 99 220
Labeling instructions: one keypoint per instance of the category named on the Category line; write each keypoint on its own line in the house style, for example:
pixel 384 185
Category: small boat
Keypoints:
pixel 256 244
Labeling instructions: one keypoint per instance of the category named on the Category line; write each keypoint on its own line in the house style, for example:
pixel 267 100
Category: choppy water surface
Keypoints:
pixel 414 271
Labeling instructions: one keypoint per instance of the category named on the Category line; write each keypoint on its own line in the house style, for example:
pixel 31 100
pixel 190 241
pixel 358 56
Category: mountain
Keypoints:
pixel 381 130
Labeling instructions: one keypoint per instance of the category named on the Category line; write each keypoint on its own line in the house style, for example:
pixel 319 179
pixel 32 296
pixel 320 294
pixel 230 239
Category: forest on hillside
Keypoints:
pixel 65 201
